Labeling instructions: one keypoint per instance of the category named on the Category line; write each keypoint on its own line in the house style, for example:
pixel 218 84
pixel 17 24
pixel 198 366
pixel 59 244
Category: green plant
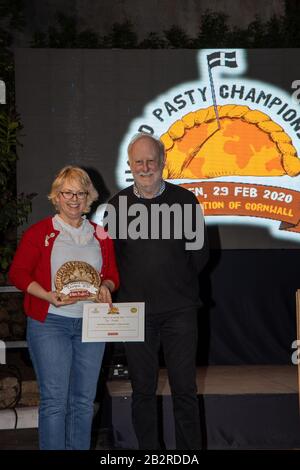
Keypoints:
pixel 64 34
pixel 153 41
pixel 121 36
pixel 14 208
pixel 177 37
pixel 213 31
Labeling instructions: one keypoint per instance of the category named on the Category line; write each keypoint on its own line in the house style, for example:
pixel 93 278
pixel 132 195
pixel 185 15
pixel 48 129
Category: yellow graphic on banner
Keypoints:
pixel 249 143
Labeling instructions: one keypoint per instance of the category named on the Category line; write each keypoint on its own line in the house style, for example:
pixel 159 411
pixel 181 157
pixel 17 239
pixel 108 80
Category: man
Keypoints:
pixel 160 271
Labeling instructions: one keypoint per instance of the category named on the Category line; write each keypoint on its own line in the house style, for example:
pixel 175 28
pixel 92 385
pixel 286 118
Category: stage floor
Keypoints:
pixel 226 380
pixel 241 407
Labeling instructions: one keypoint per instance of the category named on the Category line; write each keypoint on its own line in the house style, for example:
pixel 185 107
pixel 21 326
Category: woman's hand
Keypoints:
pixel 104 295
pixel 54 299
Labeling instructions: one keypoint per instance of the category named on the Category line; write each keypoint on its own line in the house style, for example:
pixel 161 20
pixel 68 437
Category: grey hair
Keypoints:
pixel 156 140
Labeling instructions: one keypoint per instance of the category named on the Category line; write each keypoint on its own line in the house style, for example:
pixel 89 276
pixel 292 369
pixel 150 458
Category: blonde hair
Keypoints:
pixel 78 175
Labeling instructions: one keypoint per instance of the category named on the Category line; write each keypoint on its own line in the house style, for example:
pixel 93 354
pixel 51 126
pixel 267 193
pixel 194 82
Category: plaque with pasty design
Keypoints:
pixel 77 280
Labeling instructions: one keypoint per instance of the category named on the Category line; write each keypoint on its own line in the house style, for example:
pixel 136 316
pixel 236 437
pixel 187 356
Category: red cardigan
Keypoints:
pixel 32 262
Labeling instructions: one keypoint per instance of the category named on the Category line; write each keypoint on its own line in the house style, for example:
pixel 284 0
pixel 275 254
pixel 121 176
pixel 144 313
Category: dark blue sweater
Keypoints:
pixel 160 272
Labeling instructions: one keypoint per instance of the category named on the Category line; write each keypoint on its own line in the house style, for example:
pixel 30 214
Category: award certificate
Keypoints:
pixel 123 322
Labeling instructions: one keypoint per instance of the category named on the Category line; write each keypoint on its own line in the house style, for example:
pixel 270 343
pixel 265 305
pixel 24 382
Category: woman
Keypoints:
pixel 67 370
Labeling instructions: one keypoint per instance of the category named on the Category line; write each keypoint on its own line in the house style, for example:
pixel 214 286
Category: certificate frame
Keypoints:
pixel 125 322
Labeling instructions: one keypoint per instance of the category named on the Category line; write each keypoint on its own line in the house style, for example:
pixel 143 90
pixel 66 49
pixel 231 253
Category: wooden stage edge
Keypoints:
pixel 227 380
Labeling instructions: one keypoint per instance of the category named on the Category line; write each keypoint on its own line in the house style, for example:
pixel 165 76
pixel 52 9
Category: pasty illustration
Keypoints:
pixel 249 143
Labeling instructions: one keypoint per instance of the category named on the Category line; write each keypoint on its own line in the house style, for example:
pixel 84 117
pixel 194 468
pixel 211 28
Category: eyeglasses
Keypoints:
pixel 68 195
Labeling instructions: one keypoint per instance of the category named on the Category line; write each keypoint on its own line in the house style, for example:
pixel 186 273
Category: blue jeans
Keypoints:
pixel 67 371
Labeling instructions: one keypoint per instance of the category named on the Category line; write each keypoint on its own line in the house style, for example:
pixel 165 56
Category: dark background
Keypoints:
pixel 76 106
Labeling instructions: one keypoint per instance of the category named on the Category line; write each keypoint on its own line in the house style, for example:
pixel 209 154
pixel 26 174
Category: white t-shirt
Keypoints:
pixel 73 244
